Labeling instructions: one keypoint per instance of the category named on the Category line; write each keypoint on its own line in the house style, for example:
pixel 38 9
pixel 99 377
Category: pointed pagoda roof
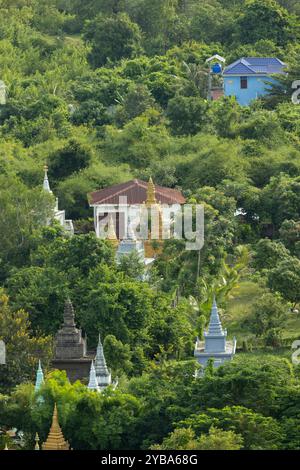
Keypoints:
pixel 69 315
pixel 93 384
pixel 39 378
pixel 69 341
pixel 215 326
pixel 55 439
pixel 100 362
pixel 46 185
pixel 151 193
pixel 102 373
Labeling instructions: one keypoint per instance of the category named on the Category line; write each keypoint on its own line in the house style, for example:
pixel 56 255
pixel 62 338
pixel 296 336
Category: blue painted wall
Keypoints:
pixel 256 87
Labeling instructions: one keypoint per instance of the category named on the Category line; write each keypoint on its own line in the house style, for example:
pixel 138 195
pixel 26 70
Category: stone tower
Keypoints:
pixel 69 341
pixel 215 345
pixel 70 348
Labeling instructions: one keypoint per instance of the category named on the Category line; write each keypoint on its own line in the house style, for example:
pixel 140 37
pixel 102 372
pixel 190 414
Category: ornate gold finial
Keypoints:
pixel 46 168
pixel 55 439
pixel 37 440
pixel 151 198
pixel 151 202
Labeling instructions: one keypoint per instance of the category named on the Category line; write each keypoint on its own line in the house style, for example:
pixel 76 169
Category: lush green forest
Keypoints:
pixel 104 91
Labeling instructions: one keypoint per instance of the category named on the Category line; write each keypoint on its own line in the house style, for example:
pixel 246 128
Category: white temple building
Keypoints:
pixel 215 345
pixel 59 215
pixel 93 383
pixel 39 378
pixel 103 375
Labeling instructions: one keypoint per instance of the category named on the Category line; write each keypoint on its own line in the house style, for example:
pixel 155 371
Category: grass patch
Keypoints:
pixel 239 307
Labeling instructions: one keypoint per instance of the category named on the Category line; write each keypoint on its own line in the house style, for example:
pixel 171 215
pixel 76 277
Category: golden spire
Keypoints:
pixel 151 198
pixel 55 439
pixel 156 217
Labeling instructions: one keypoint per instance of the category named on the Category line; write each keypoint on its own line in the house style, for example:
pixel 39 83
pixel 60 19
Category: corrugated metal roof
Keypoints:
pixel 136 193
pixel 255 65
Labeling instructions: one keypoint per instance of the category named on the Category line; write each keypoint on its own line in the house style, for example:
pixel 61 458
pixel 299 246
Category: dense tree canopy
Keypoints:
pixel 106 91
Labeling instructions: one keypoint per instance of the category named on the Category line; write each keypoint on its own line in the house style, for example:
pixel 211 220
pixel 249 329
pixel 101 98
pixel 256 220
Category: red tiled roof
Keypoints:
pixel 136 192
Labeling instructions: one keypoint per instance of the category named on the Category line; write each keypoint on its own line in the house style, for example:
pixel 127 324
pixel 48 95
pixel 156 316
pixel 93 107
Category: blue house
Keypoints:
pixel 246 78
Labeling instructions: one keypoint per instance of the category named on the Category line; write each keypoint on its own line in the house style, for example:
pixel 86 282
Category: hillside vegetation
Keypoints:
pixel 103 91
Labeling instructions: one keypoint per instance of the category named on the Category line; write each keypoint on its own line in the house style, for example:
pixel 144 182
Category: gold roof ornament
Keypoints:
pixel 151 197
pixel 55 439
pixel 156 213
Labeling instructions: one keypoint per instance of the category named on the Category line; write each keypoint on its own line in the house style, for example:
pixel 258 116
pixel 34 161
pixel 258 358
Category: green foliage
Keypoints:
pixel 107 91
pixel 22 349
pixel 216 439
pixel 70 159
pixel 257 431
pixel 268 253
pixel 132 266
pixel 112 38
pixel 285 279
pixel 268 316
pixel 127 418
pixel 187 115
pixel 265 19
pixel 22 211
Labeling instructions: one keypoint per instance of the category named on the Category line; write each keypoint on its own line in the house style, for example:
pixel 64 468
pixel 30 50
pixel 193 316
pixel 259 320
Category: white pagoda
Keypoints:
pixel 215 345
pixel 59 215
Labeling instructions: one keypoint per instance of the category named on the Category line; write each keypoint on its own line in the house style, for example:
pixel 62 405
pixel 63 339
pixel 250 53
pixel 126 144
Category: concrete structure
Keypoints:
pixel 39 378
pixel 102 373
pixel 215 345
pixel 70 348
pixel 59 215
pixel 93 384
pixel 129 246
pixel 246 78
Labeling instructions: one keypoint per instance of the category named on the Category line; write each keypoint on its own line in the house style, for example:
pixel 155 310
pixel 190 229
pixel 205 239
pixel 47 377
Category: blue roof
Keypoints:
pixel 255 65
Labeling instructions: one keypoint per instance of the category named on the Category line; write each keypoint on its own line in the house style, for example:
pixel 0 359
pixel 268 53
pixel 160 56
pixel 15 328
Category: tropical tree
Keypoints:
pixel 112 38
pixel 22 349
